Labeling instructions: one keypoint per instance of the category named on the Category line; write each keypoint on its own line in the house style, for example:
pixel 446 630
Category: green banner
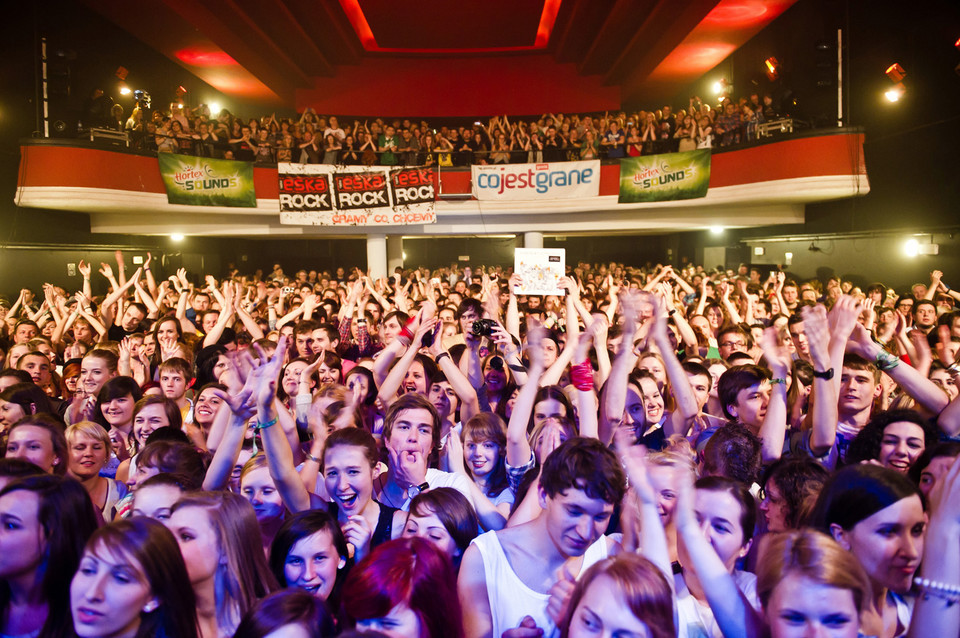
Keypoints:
pixel 658 178
pixel 201 181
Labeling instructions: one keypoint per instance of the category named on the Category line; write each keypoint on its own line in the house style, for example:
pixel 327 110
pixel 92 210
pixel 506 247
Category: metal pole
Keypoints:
pixel 839 77
pixel 44 80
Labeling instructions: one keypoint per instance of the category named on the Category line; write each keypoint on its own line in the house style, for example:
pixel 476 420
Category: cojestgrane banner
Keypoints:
pixel 201 181
pixel 658 178
pixel 327 195
pixel 560 180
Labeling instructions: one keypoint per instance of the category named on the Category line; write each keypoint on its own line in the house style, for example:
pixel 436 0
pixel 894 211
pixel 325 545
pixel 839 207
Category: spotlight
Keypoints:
pixel 896 73
pixel 894 94
pixel 214 109
pixel 124 89
pixel 181 91
pixel 176 236
pixel 772 68
pixel 911 248
pixel 716 230
pixel 720 86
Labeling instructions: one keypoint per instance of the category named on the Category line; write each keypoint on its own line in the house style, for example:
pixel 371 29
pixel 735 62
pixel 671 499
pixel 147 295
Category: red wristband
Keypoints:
pixel 581 376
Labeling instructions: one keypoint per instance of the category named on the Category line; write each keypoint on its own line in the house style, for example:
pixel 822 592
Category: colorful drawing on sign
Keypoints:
pixel 540 269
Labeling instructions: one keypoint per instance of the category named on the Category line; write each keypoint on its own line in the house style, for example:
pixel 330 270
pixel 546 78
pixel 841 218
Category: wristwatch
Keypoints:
pixel 413 490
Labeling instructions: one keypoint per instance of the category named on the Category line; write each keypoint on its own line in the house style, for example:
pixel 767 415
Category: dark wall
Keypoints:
pixel 910 146
pixel 635 250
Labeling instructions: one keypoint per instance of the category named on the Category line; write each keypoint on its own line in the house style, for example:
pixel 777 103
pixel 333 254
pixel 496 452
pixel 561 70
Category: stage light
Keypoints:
pixel 124 89
pixel 181 91
pixel 716 230
pixel 121 73
pixel 894 94
pixel 911 248
pixel 176 236
pixel 214 109
pixel 772 68
pixel 719 86
pixel 896 73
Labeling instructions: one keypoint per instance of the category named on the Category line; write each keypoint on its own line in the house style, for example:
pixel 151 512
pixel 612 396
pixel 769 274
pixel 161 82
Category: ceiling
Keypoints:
pixel 277 51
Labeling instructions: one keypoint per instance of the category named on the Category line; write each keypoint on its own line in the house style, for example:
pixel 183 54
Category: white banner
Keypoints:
pixel 556 180
pixel 541 269
pixel 328 195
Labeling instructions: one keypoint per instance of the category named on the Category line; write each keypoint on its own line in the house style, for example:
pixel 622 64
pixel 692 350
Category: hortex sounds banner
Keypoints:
pixel 202 181
pixel 659 178
pixel 327 195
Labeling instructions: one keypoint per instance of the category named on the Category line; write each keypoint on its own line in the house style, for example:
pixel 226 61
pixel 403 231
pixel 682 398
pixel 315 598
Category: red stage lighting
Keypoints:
pixel 896 73
pixel 772 67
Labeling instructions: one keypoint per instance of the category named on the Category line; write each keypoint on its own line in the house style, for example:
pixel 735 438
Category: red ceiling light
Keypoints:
pixel 181 91
pixel 121 73
pixel 204 58
pixel 896 73
pixel 361 26
pixel 772 67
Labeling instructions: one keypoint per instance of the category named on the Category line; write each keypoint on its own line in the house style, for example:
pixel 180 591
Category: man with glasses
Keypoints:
pixel 732 339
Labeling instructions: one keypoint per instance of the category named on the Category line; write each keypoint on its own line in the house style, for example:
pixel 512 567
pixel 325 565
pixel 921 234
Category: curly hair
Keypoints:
pixel 866 445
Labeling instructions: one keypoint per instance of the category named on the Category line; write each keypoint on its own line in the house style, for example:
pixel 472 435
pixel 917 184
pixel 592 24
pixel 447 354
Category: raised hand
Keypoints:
pixel 843 316
pixel 634 460
pixel 106 270
pixel 777 356
pixel 84 269
pixel 817 329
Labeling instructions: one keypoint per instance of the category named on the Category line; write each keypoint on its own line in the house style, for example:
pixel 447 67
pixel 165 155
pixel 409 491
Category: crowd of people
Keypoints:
pixel 657 452
pixel 324 139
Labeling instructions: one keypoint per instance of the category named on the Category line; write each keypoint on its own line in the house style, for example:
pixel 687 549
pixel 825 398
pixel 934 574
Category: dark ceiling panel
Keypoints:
pixel 446 24
pixel 325 22
pixel 619 24
pixel 663 28
pixel 275 20
pixel 578 23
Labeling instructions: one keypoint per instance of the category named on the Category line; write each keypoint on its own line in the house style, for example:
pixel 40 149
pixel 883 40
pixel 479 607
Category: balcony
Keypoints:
pixel 768 183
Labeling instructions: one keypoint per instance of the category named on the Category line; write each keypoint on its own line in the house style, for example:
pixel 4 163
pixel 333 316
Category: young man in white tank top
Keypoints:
pixel 506 576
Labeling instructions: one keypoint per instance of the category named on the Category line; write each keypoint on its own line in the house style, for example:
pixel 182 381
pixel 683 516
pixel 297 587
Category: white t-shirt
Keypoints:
pixel 695 619
pixel 510 598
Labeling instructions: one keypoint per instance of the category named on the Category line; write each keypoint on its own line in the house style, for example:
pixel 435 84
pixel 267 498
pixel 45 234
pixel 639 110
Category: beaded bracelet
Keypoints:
pixel 945 591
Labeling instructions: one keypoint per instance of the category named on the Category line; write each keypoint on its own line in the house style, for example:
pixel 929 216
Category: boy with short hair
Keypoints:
pixel 175 375
pixel 506 576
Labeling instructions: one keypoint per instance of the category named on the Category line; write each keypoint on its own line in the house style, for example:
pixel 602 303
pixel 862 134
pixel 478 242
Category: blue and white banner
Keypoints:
pixel 560 180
